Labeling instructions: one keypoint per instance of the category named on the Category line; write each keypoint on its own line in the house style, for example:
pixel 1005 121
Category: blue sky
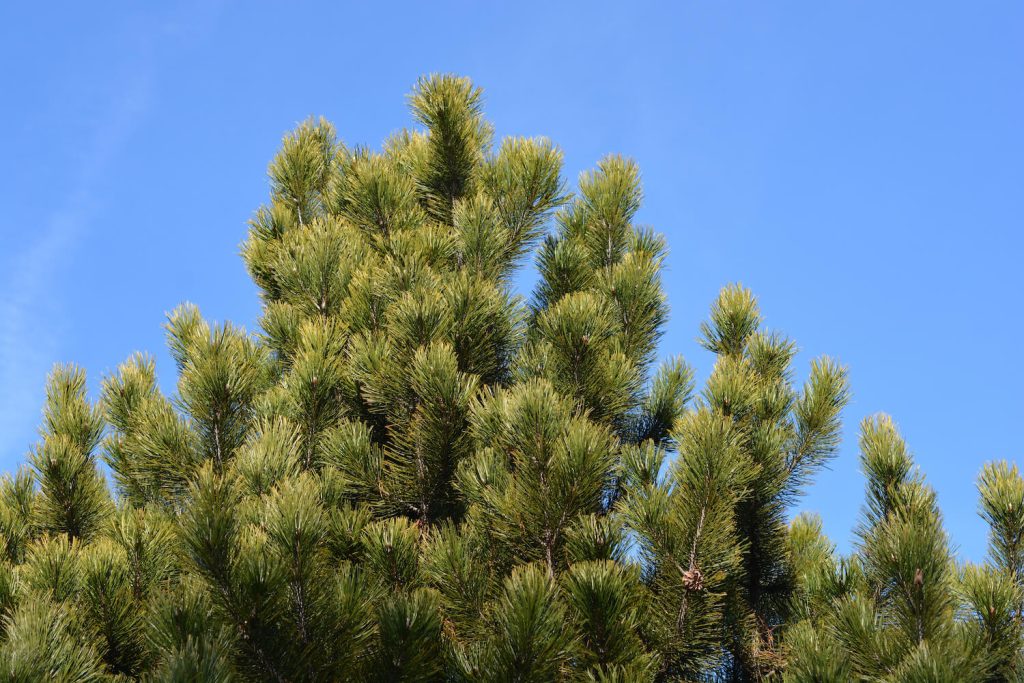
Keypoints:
pixel 859 165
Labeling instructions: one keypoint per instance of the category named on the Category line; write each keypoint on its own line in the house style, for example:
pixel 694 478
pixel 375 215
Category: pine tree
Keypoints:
pixel 413 473
pixel 900 608
pixel 713 532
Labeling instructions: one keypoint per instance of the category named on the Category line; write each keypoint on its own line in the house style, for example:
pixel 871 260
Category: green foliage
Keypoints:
pixel 72 497
pixel 1002 495
pixel 900 609
pixel 412 473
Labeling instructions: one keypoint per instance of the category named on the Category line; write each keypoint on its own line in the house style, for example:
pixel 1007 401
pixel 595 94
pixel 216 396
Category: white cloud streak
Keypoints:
pixel 30 306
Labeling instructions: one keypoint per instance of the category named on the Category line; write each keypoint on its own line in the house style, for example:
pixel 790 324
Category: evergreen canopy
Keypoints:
pixel 413 474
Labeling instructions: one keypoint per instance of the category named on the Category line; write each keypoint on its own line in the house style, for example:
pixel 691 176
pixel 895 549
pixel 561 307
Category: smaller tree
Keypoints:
pixel 73 496
pixel 713 534
pixel 899 609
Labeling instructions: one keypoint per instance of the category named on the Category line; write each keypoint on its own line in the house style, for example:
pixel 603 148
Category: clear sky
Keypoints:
pixel 859 165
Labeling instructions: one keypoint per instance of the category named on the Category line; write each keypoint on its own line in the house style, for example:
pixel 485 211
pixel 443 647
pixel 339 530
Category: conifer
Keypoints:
pixel 411 472
pixel 901 608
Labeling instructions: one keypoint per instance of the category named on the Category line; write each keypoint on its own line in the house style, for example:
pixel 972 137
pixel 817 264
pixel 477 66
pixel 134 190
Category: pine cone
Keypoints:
pixel 693 580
